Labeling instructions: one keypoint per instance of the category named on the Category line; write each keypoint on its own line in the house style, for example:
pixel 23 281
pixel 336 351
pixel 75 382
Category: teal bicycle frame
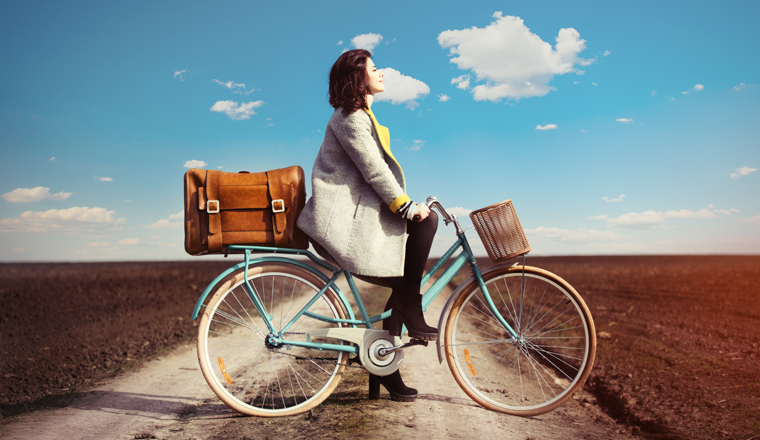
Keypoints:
pixel 275 335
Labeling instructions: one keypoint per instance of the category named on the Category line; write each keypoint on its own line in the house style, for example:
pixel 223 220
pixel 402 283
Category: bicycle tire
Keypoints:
pixel 525 378
pixel 250 376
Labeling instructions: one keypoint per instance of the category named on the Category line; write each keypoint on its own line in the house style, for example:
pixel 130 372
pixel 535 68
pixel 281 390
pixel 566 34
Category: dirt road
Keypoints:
pixel 167 398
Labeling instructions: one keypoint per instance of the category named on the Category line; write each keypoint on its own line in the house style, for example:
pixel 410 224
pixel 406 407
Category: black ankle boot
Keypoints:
pixel 408 311
pixel 395 386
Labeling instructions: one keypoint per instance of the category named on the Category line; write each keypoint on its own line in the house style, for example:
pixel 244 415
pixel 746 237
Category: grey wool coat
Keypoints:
pixel 357 188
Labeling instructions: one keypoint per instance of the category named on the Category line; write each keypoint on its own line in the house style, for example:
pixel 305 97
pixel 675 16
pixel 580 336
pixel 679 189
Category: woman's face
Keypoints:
pixel 375 78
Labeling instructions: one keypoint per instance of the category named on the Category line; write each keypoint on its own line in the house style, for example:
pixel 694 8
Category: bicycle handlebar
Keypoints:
pixel 433 203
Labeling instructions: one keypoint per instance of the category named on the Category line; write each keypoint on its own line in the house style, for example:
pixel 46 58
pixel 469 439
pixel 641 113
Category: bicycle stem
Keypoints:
pixel 433 202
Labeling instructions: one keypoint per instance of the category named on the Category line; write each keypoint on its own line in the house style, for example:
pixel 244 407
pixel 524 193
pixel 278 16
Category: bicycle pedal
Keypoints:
pixel 418 342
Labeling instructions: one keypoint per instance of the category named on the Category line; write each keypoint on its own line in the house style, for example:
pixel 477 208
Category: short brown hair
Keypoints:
pixel 349 84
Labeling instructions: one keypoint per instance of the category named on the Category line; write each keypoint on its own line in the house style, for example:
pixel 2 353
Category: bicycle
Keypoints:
pixel 277 334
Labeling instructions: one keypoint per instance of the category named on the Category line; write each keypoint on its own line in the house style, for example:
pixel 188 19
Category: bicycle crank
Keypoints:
pixel 379 352
pixel 385 351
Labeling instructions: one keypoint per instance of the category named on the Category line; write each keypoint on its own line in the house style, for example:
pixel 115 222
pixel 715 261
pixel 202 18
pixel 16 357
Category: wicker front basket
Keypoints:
pixel 500 230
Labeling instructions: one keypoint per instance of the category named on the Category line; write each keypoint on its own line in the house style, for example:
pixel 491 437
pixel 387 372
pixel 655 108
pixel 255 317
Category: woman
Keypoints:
pixel 359 213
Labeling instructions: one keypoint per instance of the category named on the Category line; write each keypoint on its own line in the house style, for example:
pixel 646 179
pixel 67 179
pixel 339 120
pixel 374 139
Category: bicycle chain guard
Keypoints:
pixel 369 342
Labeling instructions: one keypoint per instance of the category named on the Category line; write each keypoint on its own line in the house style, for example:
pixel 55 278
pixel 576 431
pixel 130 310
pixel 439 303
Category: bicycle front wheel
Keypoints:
pixel 252 376
pixel 543 368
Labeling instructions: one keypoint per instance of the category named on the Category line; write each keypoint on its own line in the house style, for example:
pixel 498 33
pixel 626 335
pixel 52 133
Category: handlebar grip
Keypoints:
pixel 416 218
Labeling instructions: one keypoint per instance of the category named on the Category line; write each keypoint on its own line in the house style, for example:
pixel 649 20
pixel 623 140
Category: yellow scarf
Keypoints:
pixel 385 140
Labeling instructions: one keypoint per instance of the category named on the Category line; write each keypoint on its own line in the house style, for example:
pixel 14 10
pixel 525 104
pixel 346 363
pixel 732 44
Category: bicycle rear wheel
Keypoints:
pixel 248 374
pixel 540 371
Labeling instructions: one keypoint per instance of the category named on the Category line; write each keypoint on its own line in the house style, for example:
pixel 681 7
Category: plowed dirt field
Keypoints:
pixel 678 352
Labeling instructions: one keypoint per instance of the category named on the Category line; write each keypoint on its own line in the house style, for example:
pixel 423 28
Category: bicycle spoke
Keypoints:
pixel 541 352
pixel 557 317
pixel 553 329
pixel 487 323
pixel 529 324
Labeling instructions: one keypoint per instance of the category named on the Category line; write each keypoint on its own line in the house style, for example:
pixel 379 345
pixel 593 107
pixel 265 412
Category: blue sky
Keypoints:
pixel 615 127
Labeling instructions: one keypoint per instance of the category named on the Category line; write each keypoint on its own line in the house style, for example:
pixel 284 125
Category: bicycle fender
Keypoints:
pixel 284 260
pixel 450 301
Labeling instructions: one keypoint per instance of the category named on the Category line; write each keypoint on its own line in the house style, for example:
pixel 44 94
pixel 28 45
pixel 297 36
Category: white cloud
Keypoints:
pixel 130 241
pixel 72 220
pixel 178 74
pixel 734 210
pixel 698 87
pixel 159 244
pixel 99 244
pixel 417 145
pixel 366 41
pixel 230 84
pixel 443 97
pixel 685 213
pixel 670 242
pixel 584 131
pixel 617 199
pixel 178 216
pixel 654 219
pixel 459 211
pixel 743 171
pixel 624 120
pixel 546 127
pixel 17 250
pixel 400 89
pixel 340 43
pixel 104 179
pixel 236 111
pixel 127 201
pixel 462 82
pixel 606 53
pixel 685 93
pixel 594 84
pixel 195 164
pixel 510 60
pixel 52 159
pixel 639 220
pixel 568 236
pixel 723 211
pixel 654 93
pixel 164 224
pixel 755 219
pixel 25 195
pixel 598 217
pixel 739 87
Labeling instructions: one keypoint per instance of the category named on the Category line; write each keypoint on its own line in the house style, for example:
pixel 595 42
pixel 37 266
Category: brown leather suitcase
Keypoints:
pixel 243 208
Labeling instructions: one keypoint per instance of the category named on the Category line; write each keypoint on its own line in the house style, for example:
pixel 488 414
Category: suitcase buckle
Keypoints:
pixel 278 205
pixel 212 206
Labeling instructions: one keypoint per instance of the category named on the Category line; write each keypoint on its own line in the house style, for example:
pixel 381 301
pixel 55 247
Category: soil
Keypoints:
pixel 66 325
pixel 678 353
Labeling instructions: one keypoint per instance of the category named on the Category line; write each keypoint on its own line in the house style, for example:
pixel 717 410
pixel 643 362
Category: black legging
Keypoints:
pixel 418 245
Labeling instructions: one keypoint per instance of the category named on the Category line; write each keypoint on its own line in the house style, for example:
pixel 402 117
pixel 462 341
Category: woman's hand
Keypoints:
pixel 421 211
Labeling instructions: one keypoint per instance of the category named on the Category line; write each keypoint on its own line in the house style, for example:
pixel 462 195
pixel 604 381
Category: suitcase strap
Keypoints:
pixel 213 182
pixel 279 219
